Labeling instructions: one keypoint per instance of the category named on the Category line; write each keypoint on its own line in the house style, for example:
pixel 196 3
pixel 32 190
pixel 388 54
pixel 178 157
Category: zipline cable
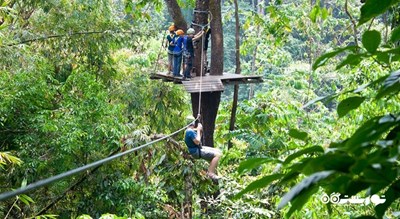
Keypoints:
pixel 44 182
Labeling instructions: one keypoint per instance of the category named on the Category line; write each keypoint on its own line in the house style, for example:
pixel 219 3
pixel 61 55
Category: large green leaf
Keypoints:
pixel 352 60
pixel 392 194
pixel 391 86
pixel 373 8
pixel 337 162
pixel 301 199
pixel 371 40
pixel 395 35
pixel 349 104
pixel 294 133
pixel 314 149
pixel 324 58
pixel 302 186
pixel 252 163
pixel 258 184
pixel 370 131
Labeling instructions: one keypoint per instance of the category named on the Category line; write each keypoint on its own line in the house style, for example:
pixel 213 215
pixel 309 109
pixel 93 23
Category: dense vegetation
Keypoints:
pixel 75 86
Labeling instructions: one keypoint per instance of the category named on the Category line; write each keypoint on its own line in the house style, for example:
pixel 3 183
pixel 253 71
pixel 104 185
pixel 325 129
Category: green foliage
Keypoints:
pixel 349 104
pixel 371 40
pixel 363 159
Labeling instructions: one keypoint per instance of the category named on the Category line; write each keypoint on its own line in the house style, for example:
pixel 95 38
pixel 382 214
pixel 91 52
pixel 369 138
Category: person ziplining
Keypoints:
pixel 197 151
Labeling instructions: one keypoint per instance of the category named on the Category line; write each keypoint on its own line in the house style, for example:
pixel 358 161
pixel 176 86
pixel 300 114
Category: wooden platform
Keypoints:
pixel 209 83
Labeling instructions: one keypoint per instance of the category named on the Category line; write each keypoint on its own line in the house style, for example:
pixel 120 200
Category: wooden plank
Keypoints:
pixel 205 86
pixel 226 78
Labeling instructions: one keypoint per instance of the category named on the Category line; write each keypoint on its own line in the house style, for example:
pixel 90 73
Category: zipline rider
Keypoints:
pixel 193 142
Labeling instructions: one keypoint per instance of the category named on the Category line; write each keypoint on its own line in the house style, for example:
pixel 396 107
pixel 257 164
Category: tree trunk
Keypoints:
pixel 217 42
pixel 176 14
pixel 200 19
pixel 209 108
pixel 236 87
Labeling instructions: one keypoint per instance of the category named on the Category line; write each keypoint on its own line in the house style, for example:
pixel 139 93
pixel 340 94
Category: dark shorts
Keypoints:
pixel 207 153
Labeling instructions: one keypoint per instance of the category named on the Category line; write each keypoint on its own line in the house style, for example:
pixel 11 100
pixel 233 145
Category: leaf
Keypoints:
pixel 316 100
pixel 324 58
pixel 390 195
pixel 252 163
pixel 26 199
pixel 373 8
pixel 260 183
pixel 300 200
pixel 324 14
pixel 303 185
pixel 391 85
pixel 395 35
pixel 370 131
pixel 351 103
pixel 294 133
pixel 337 162
pixel 314 13
pixel 309 150
pixel 383 57
pixel 371 40
pixel 351 59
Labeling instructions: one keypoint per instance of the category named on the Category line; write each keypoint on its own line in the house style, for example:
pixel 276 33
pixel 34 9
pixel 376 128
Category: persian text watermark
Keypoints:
pixel 336 198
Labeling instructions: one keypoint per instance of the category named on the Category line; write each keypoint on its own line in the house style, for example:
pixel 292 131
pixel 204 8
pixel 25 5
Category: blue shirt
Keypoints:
pixel 190 135
pixel 178 45
pixel 171 38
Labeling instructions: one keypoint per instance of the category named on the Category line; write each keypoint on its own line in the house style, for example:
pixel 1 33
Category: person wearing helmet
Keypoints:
pixel 193 143
pixel 178 49
pixel 188 54
pixel 170 44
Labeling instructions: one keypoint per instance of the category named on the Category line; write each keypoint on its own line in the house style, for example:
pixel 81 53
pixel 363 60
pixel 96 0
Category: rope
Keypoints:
pixel 202 57
pixel 44 182
pixel 158 55
pixel 201 71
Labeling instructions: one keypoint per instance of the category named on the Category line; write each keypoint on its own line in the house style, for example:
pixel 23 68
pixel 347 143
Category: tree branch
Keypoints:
pixel 176 14
pixel 352 21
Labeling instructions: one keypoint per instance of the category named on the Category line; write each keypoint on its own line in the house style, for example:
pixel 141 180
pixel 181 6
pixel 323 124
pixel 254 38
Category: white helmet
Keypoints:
pixel 190 31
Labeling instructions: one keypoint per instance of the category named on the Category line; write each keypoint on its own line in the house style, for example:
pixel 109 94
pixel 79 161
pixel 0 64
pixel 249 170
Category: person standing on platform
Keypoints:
pixel 188 54
pixel 178 50
pixel 170 44
pixel 188 51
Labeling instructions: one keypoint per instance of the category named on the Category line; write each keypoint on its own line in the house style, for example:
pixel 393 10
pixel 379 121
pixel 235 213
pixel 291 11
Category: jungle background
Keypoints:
pixel 75 86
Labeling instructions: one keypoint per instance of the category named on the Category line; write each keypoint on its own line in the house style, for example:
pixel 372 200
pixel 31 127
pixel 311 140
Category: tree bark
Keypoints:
pixel 209 108
pixel 176 14
pixel 200 19
pixel 217 42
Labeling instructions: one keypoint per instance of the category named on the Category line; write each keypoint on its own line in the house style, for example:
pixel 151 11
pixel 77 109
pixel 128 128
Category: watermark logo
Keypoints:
pixel 335 198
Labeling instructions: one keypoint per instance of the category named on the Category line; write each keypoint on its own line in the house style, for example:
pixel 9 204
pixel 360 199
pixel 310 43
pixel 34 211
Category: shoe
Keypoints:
pixel 213 176
pixel 178 76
